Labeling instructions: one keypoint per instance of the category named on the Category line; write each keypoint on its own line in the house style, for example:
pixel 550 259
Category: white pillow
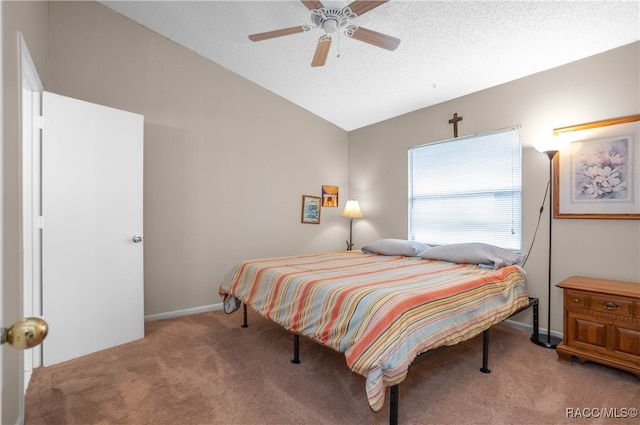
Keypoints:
pixel 472 253
pixel 395 247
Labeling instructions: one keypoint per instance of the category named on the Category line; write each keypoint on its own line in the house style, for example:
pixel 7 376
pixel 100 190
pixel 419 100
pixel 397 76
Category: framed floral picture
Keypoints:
pixel 311 209
pixel 598 175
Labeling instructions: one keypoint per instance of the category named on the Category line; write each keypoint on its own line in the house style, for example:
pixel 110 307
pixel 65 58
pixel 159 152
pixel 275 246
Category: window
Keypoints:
pixel 467 190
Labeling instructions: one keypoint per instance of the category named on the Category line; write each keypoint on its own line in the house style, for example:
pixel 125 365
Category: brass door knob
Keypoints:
pixel 25 333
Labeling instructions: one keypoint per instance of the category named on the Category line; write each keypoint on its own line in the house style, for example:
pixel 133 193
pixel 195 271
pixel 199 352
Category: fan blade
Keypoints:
pixel 375 38
pixel 277 33
pixel 360 7
pixel 322 51
pixel 312 4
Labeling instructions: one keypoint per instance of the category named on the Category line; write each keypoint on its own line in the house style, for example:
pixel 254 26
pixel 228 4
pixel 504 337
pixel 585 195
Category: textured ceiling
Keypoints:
pixel 448 48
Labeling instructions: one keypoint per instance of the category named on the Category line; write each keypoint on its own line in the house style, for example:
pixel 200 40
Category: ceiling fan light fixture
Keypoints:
pixel 330 25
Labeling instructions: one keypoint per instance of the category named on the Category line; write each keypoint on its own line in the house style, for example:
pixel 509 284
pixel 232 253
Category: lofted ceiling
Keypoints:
pixel 448 48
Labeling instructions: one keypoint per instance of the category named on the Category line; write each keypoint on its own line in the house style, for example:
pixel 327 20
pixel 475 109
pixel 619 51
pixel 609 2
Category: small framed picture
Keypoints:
pixel 311 209
pixel 329 196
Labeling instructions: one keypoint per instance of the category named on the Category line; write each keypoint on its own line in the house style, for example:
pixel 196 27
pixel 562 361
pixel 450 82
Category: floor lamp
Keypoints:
pixel 547 340
pixel 351 210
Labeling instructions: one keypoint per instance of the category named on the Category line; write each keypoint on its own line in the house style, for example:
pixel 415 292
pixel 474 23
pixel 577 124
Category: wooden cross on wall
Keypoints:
pixel 454 121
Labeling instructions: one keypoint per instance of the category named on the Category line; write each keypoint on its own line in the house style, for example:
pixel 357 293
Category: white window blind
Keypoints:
pixel 467 190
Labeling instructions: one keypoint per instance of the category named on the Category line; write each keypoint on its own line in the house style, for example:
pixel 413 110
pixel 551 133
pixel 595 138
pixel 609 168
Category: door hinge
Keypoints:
pixel 39 122
pixel 40 222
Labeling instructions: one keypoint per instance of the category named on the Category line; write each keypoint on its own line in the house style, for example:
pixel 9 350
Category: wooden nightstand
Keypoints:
pixel 601 322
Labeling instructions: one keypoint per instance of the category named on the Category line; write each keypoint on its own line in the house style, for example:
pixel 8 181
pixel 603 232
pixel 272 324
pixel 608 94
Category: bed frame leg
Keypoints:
pixel 485 352
pixel 534 336
pixel 393 405
pixel 244 316
pixel 296 349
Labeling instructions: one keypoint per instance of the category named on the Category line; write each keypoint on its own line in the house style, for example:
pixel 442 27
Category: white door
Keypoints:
pixel 92 257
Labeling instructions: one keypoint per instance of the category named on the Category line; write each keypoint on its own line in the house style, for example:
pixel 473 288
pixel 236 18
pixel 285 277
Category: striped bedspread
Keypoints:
pixel 380 311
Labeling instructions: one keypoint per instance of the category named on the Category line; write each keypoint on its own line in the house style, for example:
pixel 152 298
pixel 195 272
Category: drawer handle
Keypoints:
pixel 576 300
pixel 610 305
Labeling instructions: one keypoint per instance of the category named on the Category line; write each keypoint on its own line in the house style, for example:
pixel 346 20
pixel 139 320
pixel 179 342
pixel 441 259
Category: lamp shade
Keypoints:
pixel 352 209
pixel 555 143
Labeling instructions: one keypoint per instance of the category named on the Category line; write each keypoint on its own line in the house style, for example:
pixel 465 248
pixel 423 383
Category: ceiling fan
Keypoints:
pixel 331 20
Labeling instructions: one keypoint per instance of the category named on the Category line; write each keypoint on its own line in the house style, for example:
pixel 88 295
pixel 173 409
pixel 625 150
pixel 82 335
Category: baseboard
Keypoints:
pixel 27 379
pixel 529 328
pixel 185 312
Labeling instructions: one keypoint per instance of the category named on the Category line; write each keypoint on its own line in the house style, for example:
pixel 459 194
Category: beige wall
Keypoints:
pixel 596 88
pixel 226 161
pixel 31 19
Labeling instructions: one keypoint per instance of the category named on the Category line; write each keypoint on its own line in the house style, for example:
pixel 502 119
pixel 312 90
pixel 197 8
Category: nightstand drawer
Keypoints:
pixel 612 305
pixel 576 299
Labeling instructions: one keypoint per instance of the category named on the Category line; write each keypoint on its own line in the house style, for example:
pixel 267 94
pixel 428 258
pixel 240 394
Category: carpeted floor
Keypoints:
pixel 206 369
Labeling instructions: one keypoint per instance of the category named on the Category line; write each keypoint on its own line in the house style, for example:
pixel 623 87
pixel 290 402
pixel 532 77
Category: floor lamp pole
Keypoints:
pixel 549 341
pixel 350 244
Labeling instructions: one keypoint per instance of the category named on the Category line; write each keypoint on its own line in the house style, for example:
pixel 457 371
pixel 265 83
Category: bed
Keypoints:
pixel 380 310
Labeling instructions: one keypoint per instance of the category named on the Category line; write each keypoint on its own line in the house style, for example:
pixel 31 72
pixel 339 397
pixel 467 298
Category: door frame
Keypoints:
pixel 31 94
pixel 1 186
pixel 29 83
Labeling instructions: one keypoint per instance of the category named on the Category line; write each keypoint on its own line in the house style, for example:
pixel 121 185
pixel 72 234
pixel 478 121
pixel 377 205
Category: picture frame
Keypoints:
pixel 597 176
pixel 311 209
pixel 330 196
